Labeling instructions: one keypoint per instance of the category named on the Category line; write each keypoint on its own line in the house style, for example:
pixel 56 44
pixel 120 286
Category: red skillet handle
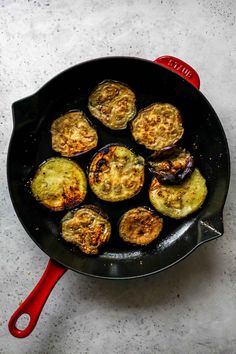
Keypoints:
pixel 181 68
pixel 34 303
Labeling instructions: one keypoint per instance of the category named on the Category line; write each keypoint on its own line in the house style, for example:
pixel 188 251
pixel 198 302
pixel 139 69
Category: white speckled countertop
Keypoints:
pixel 191 308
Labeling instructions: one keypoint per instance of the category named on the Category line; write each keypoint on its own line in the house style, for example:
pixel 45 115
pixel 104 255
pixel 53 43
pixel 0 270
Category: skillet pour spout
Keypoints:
pixel 167 79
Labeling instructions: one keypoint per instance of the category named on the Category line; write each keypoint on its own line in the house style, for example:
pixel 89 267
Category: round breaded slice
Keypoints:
pixel 116 173
pixel 178 201
pixel 140 226
pixel 87 227
pixel 157 126
pixel 72 134
pixel 59 184
pixel 113 104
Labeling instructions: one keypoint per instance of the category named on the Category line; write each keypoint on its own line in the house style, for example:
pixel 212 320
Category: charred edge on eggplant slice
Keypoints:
pixel 140 226
pixel 87 227
pixel 157 126
pixel 178 201
pixel 171 165
pixel 113 104
pixel 116 173
pixel 73 134
pixel 59 184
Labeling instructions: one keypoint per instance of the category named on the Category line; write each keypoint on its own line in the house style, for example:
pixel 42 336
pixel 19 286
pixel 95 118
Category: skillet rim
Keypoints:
pixel 227 173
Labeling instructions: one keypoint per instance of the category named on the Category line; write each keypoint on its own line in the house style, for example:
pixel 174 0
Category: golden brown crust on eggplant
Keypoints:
pixel 116 173
pixel 178 201
pixel 72 134
pixel 86 228
pixel 140 226
pixel 113 103
pixel 59 184
pixel 157 126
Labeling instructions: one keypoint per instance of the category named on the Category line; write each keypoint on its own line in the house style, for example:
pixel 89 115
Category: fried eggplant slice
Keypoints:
pixel 116 173
pixel 157 126
pixel 72 134
pixel 87 227
pixel 140 226
pixel 113 104
pixel 59 184
pixel 178 201
pixel 171 165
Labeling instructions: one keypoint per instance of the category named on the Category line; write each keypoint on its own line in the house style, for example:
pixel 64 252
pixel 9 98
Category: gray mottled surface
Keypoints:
pixel 190 308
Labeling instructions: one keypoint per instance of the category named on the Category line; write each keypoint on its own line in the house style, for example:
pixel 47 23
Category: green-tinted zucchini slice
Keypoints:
pixel 178 201
pixel 59 183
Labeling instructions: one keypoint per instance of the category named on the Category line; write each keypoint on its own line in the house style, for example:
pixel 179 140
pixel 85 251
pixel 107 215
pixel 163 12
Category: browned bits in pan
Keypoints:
pixel 72 134
pixel 59 184
pixel 113 103
pixel 157 126
pixel 88 228
pixel 140 226
pixel 116 173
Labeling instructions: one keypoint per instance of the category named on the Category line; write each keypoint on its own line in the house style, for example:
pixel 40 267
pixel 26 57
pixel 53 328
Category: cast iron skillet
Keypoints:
pixel 168 79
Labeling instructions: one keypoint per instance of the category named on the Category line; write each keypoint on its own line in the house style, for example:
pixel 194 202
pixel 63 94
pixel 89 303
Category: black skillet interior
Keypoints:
pixel 31 145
